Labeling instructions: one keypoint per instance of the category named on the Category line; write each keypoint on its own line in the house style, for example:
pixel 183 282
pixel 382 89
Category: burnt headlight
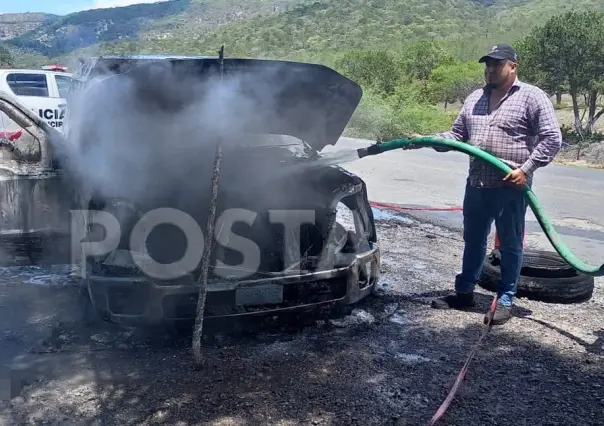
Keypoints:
pixel 351 222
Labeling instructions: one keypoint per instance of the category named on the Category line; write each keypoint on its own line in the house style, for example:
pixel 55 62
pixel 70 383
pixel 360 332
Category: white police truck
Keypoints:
pixel 44 91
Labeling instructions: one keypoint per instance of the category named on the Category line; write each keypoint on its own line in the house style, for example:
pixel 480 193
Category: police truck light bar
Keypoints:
pixel 53 67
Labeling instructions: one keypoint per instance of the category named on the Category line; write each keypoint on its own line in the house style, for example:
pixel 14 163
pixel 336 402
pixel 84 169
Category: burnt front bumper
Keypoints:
pixel 140 300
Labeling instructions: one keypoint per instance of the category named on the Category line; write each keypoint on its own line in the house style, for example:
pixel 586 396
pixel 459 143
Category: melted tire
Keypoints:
pixel 544 277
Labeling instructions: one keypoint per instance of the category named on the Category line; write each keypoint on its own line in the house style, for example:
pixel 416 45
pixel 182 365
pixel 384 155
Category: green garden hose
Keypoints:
pixel 546 225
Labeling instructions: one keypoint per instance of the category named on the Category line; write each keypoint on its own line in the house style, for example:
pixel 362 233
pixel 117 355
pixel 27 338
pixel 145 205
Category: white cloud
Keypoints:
pixel 102 4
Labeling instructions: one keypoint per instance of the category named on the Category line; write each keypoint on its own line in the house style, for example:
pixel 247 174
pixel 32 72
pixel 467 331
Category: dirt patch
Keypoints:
pixel 590 156
pixel 391 362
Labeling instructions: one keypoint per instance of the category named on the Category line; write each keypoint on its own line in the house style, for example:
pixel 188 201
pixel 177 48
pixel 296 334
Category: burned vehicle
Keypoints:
pixel 290 232
pixel 35 194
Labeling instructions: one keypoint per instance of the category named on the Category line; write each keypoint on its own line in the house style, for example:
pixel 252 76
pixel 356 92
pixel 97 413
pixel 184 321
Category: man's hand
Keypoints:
pixel 517 178
pixel 412 146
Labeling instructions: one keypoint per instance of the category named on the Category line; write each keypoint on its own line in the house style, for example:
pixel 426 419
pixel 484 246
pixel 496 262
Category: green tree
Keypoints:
pixel 421 58
pixel 530 69
pixel 379 70
pixel 6 59
pixel 568 51
pixel 449 83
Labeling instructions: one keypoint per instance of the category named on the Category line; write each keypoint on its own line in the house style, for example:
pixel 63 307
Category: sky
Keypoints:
pixel 62 7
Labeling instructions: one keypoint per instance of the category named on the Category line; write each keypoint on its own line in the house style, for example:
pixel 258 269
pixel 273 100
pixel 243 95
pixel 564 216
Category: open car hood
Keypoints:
pixel 308 101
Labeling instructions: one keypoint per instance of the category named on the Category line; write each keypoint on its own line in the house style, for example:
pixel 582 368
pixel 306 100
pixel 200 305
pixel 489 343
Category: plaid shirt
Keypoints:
pixel 522 132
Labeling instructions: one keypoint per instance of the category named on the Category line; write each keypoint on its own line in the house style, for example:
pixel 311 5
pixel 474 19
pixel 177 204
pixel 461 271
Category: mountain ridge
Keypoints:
pixel 54 35
pixel 15 24
pixel 288 29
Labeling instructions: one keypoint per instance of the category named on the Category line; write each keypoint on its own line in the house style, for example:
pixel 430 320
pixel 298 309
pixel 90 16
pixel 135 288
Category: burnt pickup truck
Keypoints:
pixel 146 129
pixel 36 195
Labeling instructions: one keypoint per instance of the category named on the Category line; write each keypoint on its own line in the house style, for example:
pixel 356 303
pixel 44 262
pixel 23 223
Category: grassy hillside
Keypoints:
pixel 328 26
pixel 289 29
pixel 467 27
pixel 26 58
pixel 318 30
pixel 202 16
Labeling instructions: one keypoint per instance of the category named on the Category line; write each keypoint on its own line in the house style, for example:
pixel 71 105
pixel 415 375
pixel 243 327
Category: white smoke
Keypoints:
pixel 149 134
pixel 153 129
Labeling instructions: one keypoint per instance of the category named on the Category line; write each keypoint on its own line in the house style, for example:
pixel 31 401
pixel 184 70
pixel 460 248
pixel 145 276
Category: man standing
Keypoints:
pixel 516 122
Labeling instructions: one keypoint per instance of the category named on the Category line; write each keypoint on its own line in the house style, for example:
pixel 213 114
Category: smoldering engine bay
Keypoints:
pixel 300 217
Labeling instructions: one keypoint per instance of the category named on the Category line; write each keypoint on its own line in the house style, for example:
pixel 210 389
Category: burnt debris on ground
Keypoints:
pixel 389 360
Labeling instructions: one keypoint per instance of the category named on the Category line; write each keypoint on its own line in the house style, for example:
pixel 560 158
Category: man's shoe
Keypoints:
pixel 455 301
pixel 501 315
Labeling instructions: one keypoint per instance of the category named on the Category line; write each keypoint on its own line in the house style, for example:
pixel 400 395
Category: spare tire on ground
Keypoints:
pixel 545 276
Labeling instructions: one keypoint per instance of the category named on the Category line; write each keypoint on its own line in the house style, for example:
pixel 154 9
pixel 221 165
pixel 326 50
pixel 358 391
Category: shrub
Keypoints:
pixel 383 118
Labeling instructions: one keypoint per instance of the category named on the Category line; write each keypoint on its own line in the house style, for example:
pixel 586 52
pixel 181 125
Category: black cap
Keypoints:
pixel 501 51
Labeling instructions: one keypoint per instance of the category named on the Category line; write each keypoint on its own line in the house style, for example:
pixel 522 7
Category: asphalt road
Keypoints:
pixel 573 197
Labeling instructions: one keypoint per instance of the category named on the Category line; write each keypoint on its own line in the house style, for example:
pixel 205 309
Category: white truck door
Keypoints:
pixel 62 83
pixel 38 92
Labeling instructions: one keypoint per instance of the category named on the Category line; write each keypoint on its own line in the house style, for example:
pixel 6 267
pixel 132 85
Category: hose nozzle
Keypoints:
pixel 370 150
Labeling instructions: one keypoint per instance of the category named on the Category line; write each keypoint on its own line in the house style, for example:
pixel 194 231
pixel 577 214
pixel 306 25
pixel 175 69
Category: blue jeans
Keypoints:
pixel 507 208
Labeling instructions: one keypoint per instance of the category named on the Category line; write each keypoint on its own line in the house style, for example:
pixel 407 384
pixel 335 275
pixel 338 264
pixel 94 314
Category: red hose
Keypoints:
pixel 464 370
pixel 440 412
pixel 398 207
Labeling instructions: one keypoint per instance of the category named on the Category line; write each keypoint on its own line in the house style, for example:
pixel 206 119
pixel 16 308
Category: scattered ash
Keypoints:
pixel 390 360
